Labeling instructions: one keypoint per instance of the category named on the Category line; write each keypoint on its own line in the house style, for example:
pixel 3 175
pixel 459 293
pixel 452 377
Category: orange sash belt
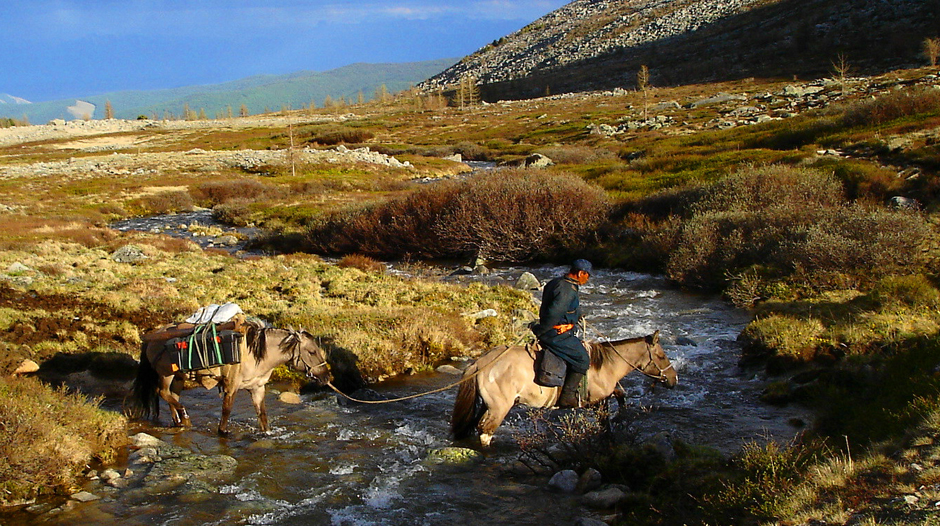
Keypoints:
pixel 563 328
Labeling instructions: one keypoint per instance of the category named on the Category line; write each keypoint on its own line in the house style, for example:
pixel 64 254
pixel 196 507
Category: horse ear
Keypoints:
pixel 655 337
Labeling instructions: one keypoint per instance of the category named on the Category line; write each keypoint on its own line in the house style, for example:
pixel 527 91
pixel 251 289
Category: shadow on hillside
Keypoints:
pixel 790 38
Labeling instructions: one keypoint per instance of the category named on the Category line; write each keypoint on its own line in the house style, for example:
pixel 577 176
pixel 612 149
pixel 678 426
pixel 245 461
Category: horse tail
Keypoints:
pixel 144 391
pixel 468 407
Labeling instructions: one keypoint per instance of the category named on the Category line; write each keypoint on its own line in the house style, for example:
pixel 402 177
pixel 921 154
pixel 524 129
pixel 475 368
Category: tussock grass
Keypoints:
pixel 48 438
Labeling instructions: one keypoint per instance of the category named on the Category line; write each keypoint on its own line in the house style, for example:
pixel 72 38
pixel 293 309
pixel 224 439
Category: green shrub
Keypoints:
pixel 912 291
pixel 785 337
pixel 507 215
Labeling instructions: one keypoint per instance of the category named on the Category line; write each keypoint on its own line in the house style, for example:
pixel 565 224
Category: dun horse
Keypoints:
pixel 503 377
pixel 267 349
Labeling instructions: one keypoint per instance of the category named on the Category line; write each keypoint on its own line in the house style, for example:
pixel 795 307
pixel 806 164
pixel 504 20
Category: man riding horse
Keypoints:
pixel 559 314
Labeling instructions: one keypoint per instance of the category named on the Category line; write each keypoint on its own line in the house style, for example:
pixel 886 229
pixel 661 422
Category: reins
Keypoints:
pixel 419 395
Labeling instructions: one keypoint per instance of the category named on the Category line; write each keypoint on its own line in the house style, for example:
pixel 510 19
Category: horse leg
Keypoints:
pixel 621 398
pixel 228 399
pixel 179 412
pixel 169 391
pixel 492 418
pixel 257 398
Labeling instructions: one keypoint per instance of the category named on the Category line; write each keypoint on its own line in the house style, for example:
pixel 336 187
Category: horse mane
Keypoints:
pixel 257 342
pixel 600 351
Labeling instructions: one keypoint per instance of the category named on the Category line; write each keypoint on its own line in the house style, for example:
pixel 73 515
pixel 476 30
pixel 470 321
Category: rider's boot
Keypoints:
pixel 569 392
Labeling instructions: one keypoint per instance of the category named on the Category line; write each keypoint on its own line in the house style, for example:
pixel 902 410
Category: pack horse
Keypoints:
pixel 505 376
pixel 238 363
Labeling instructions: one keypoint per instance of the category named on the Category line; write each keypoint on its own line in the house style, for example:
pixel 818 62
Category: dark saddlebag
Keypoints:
pixel 205 348
pixel 549 369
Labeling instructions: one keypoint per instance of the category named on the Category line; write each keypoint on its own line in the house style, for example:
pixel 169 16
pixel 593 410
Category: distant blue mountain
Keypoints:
pixel 257 94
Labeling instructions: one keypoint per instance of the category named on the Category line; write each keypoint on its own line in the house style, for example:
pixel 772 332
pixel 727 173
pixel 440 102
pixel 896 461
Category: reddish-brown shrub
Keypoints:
pixel 167 202
pixel 219 192
pixel 507 215
pixel 894 105
pixel 363 263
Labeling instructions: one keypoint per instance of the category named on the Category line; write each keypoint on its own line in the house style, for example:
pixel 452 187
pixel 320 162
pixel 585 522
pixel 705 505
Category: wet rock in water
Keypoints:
pixel 228 241
pixel 181 467
pixel 603 499
pixel 453 456
pixel 289 398
pixel 682 340
pixel 564 481
pixel 528 281
pixel 84 496
pixel 449 369
pixel 128 254
pixel 145 440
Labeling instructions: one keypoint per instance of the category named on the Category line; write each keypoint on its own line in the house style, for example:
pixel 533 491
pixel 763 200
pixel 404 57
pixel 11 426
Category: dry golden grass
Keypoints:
pixel 49 437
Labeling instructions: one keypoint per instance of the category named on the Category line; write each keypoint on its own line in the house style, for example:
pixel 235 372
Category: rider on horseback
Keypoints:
pixel 558 315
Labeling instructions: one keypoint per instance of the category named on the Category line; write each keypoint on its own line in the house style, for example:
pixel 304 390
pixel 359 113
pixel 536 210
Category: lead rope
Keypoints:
pixel 419 395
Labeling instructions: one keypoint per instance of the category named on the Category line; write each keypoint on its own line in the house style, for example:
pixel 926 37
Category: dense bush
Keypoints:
pixel 221 192
pixel 507 215
pixel 167 202
pixel 791 221
pixel 895 105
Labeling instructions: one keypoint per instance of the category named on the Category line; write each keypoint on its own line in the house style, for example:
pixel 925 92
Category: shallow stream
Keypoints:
pixel 333 462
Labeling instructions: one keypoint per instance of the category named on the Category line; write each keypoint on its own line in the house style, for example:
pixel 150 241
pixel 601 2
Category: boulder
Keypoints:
pixel 603 499
pixel 288 397
pixel 564 481
pixel 26 367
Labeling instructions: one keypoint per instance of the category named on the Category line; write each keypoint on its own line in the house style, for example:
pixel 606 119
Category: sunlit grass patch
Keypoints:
pixel 49 437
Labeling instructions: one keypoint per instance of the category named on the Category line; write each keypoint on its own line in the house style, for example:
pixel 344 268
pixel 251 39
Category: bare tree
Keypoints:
pixel 243 111
pixel 108 110
pixel 932 50
pixel 841 70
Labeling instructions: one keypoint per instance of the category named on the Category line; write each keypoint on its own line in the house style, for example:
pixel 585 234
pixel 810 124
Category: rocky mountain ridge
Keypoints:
pixel 600 44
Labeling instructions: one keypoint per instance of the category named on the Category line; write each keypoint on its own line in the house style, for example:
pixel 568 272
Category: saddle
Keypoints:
pixel 192 347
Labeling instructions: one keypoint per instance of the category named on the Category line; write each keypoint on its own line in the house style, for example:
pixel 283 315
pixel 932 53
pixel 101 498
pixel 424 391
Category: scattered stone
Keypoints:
pixel 587 521
pixel 128 254
pixel 528 281
pixel 564 481
pixel 18 268
pixel 487 313
pixel 109 474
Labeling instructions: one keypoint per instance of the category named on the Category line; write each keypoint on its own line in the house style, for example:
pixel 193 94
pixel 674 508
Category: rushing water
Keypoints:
pixel 333 462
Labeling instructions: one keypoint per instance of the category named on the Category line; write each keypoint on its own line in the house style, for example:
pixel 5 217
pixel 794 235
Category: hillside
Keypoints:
pixel 258 93
pixel 591 45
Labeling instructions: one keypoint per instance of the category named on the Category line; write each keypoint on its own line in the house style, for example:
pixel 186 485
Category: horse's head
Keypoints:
pixel 309 357
pixel 659 366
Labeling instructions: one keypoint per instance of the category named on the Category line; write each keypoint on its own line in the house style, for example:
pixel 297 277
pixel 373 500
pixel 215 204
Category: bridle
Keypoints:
pixel 651 361
pixel 298 356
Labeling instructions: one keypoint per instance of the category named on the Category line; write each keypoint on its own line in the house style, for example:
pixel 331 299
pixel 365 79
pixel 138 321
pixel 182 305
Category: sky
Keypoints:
pixel 57 49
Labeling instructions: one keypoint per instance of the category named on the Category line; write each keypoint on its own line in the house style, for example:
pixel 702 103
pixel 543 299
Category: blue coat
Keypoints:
pixel 561 305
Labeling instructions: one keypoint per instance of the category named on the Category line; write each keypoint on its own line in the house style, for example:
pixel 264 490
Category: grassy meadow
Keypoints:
pixel 789 218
